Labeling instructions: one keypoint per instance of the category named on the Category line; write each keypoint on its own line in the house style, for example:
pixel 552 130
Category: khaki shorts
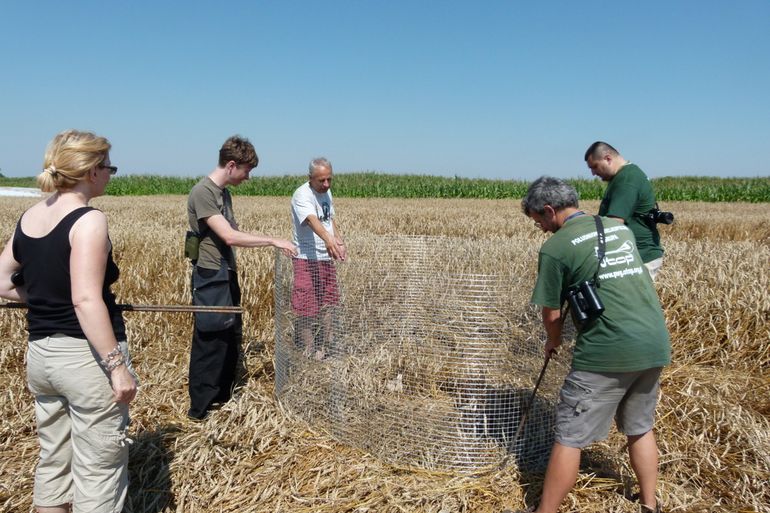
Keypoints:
pixel 589 400
pixel 82 431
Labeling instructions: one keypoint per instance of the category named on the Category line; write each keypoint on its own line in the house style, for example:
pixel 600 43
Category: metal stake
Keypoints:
pixel 157 308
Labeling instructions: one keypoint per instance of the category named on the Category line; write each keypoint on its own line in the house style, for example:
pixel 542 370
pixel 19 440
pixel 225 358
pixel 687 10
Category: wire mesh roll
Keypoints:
pixel 425 355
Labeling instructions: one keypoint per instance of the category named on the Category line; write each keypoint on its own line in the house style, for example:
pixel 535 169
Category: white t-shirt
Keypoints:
pixel 304 202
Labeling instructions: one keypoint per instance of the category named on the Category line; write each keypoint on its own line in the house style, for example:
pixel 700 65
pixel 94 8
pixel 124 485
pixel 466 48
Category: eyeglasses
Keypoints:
pixel 113 169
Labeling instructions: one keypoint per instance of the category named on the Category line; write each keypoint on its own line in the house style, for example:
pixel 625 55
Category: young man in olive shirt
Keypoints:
pixel 618 356
pixel 216 337
pixel 629 198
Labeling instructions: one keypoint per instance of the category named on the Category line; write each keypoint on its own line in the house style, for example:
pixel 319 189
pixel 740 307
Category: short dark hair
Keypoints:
pixel 596 149
pixel 551 191
pixel 239 150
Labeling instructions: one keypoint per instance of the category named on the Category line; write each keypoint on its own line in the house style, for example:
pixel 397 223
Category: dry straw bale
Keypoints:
pixel 251 456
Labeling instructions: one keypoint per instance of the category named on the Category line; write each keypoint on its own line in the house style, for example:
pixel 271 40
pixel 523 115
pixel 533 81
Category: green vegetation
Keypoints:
pixel 17 182
pixel 370 185
pixel 693 188
pixel 147 185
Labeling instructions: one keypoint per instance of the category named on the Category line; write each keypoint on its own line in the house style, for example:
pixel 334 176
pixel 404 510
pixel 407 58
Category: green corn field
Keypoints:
pixel 381 185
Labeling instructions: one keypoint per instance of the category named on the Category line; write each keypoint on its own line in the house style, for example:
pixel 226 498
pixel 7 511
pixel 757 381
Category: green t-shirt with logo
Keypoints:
pixel 629 196
pixel 631 333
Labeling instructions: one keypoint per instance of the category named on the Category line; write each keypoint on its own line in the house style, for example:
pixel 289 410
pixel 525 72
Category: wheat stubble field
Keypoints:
pixel 713 419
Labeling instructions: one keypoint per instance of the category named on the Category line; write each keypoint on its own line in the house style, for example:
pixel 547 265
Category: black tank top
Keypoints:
pixel 45 269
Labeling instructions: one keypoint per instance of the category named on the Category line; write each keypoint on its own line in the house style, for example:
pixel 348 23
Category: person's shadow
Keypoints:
pixel 532 449
pixel 594 460
pixel 149 458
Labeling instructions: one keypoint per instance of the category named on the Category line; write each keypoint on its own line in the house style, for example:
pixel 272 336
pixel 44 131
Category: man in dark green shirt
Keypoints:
pixel 629 197
pixel 618 354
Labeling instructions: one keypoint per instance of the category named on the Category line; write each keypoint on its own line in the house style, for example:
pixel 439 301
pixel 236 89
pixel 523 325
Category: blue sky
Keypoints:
pixel 498 89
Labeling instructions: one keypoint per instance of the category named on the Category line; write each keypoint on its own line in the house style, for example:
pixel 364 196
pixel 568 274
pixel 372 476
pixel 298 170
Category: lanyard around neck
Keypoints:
pixel 575 214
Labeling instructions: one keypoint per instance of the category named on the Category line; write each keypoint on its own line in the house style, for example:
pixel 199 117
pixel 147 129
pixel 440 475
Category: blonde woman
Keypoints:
pixel 59 261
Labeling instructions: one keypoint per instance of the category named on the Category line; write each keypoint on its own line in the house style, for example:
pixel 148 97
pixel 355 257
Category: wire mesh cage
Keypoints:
pixel 420 350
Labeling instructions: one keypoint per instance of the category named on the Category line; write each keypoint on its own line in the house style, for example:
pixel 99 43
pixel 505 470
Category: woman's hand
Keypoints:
pixel 123 384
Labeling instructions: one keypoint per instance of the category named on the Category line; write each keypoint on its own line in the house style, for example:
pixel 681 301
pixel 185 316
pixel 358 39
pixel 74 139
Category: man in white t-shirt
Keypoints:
pixel 320 243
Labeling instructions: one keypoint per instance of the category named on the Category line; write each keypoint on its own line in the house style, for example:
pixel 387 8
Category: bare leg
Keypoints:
pixel 559 477
pixel 327 317
pixel 307 332
pixel 643 453
pixel 306 335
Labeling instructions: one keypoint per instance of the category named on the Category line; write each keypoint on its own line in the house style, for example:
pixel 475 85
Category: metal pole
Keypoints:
pixel 157 308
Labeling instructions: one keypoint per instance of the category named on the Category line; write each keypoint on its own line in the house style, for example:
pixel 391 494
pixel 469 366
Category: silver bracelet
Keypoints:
pixel 112 354
pixel 115 364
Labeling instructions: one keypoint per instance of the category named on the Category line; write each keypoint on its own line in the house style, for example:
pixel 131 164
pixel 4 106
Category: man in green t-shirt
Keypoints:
pixel 217 337
pixel 629 197
pixel 619 352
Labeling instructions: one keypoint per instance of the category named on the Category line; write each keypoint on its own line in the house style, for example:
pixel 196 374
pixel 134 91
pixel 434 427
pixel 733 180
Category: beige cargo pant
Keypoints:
pixel 82 431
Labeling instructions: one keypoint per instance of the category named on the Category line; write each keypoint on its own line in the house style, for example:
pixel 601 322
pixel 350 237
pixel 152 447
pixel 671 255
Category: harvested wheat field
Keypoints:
pixel 713 421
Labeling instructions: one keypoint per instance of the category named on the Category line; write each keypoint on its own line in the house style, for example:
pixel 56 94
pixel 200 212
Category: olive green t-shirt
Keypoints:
pixel 208 199
pixel 629 196
pixel 631 333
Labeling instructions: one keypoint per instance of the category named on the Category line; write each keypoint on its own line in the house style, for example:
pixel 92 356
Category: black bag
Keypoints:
pixel 212 288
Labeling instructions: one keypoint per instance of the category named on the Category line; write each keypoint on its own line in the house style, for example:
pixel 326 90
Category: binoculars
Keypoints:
pixel 584 303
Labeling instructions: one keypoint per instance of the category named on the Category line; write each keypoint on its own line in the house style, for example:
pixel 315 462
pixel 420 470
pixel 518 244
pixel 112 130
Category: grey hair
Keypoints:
pixel 318 162
pixel 551 191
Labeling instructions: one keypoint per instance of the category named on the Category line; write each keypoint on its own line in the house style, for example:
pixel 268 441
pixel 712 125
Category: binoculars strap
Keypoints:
pixel 600 239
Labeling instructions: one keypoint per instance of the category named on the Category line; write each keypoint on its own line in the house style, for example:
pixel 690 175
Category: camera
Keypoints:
pixel 584 303
pixel 656 216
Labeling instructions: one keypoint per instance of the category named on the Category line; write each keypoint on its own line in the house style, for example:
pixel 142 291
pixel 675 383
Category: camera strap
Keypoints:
pixel 602 247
